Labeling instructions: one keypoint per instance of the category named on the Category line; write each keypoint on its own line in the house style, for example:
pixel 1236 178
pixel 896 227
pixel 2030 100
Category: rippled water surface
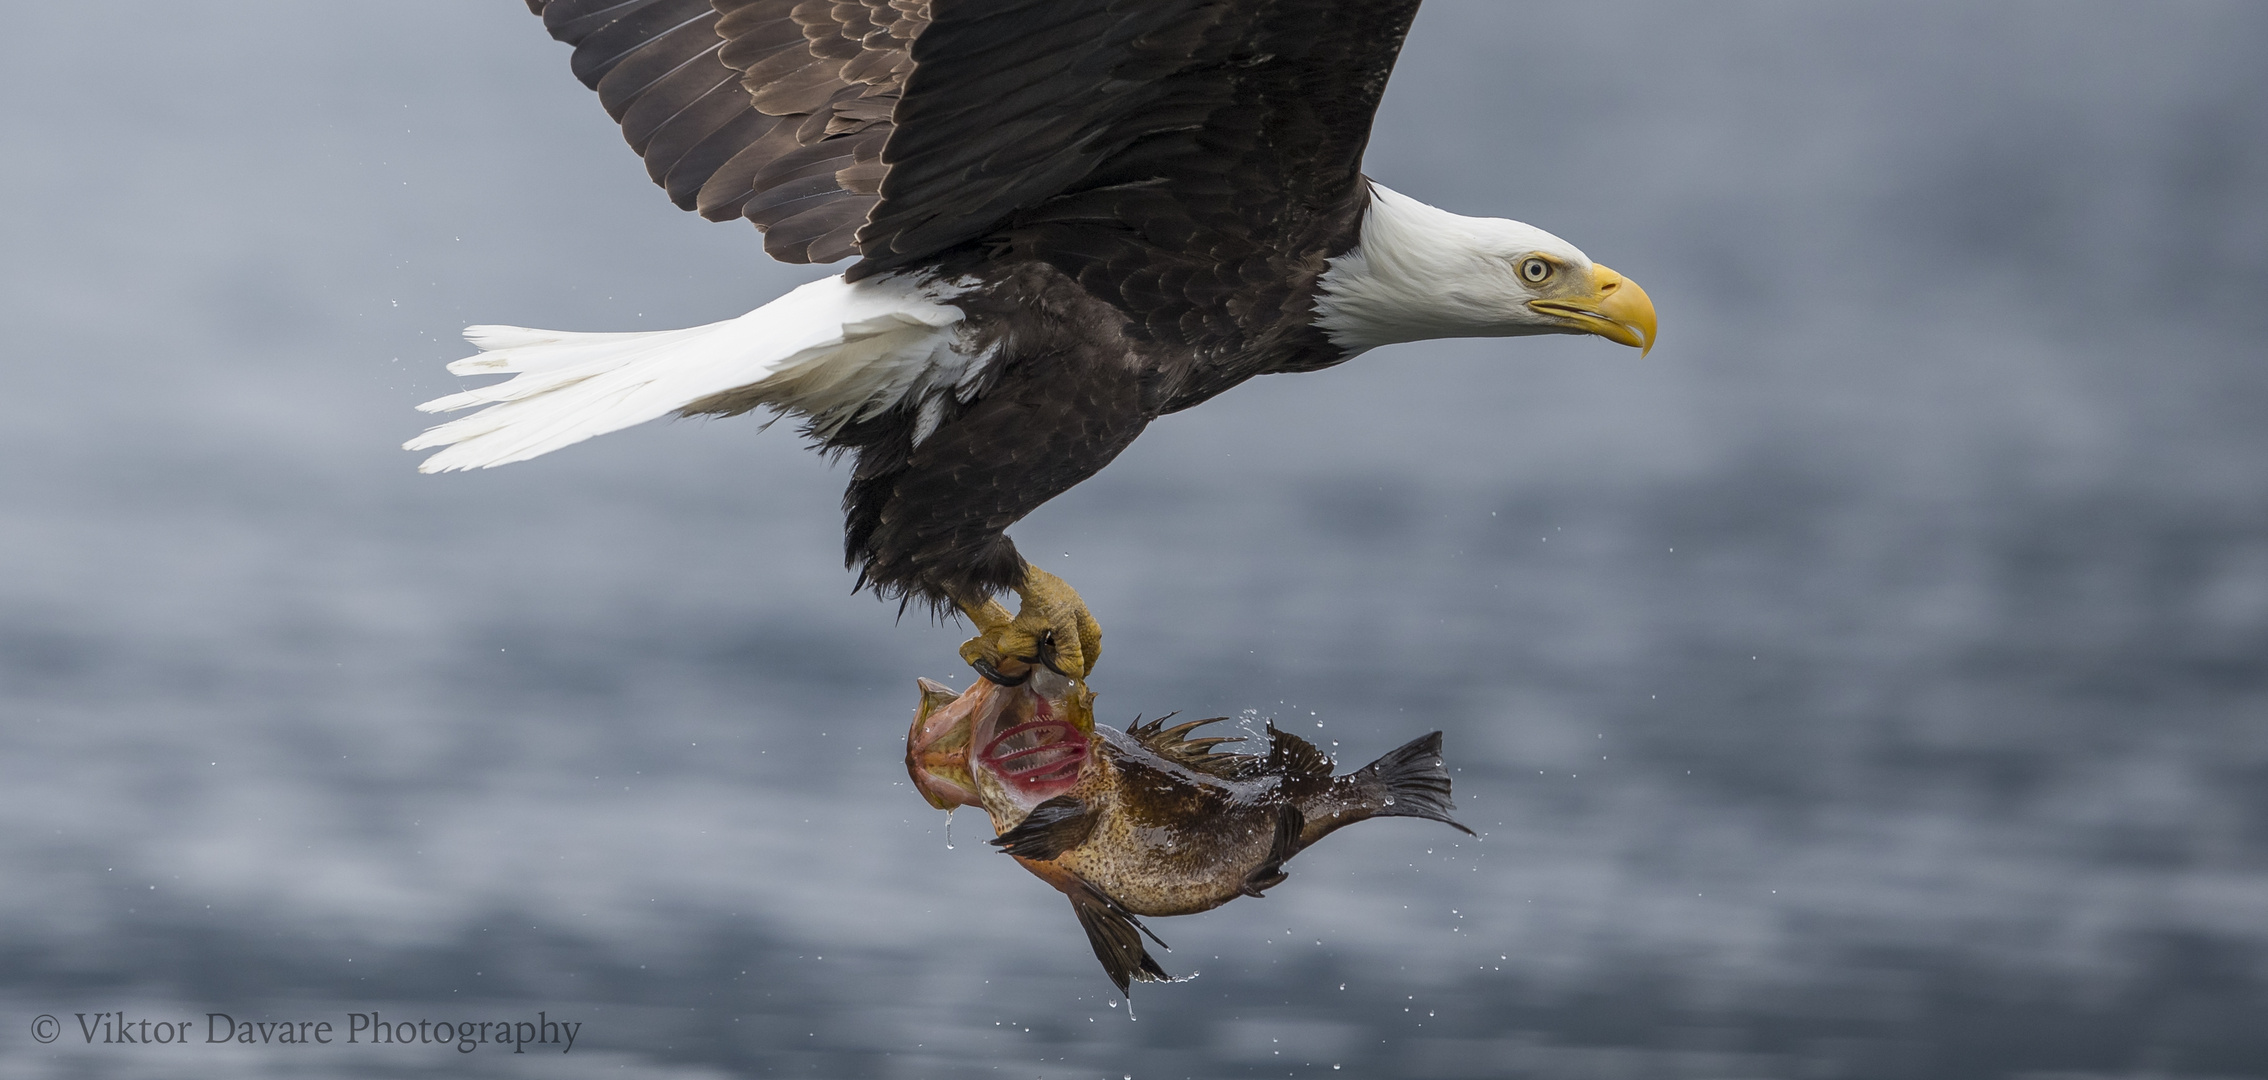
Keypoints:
pixel 1871 683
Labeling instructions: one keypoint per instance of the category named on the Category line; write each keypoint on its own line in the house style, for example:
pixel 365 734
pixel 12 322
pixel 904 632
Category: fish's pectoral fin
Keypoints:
pixel 1052 828
pixel 1116 936
pixel 1270 873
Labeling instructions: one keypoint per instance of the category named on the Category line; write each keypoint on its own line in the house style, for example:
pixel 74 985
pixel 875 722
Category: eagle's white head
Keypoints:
pixel 1422 272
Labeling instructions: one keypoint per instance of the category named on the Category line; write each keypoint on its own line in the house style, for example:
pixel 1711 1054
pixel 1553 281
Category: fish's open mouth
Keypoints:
pixel 1041 752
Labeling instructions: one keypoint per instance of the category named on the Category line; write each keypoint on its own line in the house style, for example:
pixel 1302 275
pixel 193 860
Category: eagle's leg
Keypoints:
pixel 1052 627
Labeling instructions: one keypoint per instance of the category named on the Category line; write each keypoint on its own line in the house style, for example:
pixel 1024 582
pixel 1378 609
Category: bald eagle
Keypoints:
pixel 1069 217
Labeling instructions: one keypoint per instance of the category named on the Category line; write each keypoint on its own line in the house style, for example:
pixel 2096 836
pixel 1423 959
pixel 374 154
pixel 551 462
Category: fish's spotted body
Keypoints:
pixel 1145 821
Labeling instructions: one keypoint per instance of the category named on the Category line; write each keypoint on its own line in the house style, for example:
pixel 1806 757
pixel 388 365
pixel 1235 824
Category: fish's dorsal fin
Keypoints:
pixel 1052 828
pixel 1175 745
pixel 1116 936
pixel 1305 769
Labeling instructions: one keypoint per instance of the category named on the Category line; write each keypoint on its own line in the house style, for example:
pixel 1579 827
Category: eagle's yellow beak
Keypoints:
pixel 1615 309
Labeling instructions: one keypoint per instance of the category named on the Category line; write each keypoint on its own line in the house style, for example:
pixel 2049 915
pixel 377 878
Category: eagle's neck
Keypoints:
pixel 1421 272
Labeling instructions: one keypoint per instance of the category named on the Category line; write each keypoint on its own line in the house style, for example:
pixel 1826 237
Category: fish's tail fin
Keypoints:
pixel 1409 781
pixel 836 351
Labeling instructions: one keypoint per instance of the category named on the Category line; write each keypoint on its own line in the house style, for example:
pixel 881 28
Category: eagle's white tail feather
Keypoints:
pixel 830 349
pixel 493 338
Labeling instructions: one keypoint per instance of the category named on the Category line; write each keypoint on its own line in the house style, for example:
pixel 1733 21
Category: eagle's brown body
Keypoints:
pixel 1148 194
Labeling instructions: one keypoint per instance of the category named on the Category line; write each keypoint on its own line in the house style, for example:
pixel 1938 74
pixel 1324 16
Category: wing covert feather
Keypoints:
pixel 751 108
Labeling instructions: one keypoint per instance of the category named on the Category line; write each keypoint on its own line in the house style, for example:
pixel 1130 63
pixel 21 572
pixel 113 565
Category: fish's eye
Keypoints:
pixel 1535 270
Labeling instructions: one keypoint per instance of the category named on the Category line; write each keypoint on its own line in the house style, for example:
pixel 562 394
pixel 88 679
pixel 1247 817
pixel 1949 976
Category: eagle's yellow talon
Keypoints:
pixel 1052 626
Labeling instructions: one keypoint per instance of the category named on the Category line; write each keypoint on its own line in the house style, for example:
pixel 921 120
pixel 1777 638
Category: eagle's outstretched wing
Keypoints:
pixel 898 129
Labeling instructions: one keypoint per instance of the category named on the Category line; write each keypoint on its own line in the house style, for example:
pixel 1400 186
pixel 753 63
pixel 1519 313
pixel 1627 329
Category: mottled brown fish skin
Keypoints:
pixel 1169 840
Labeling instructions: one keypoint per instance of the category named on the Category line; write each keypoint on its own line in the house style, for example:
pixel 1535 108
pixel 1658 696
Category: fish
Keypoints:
pixel 1146 821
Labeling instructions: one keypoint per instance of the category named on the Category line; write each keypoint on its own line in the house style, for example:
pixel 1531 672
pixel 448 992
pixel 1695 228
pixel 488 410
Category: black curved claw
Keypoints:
pixel 1046 655
pixel 993 675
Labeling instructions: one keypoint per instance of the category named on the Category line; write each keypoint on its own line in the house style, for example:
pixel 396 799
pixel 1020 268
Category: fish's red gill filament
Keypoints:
pixel 1040 751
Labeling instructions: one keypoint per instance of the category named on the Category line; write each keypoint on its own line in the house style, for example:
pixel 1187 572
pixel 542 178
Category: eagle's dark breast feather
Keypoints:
pixel 1148 192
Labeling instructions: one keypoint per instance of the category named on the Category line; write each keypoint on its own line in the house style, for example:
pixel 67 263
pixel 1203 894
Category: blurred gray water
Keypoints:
pixel 1872 683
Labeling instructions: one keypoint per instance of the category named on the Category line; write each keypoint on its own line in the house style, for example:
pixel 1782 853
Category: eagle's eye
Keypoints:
pixel 1535 270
